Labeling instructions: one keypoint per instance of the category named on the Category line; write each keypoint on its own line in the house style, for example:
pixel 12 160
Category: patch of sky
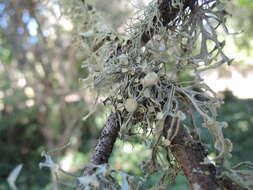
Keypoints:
pixel 26 17
pixel 45 33
pixel 20 30
pixel 4 20
pixel 33 40
pixel 32 26
pixel 2 7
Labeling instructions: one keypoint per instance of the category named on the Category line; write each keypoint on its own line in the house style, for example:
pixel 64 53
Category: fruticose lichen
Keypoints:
pixel 149 76
pixel 143 81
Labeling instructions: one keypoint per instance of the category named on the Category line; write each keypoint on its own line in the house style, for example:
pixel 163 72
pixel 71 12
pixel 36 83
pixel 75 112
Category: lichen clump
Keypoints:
pixel 145 81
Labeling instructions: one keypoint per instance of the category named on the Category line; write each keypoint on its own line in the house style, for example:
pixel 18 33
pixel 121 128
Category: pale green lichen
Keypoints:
pixel 142 81
pixel 148 74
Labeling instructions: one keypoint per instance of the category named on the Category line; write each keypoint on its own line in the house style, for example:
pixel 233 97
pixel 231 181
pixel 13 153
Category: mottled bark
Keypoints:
pixel 191 156
pixel 227 184
pixel 105 143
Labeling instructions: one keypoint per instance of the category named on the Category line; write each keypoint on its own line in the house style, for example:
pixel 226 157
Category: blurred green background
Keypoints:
pixel 42 101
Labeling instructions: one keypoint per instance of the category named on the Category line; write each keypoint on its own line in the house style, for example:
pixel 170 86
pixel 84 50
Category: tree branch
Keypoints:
pixel 105 143
pixel 191 156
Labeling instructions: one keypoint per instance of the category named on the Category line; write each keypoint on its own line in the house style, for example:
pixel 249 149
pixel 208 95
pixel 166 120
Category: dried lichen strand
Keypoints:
pixel 166 14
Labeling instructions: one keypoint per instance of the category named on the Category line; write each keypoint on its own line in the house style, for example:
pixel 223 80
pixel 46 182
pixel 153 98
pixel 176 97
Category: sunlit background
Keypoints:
pixel 43 102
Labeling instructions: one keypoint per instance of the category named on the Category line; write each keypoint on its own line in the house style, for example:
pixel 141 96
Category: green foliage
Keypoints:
pixel 5 53
pixel 41 101
pixel 247 3
pixel 238 115
pixel 242 21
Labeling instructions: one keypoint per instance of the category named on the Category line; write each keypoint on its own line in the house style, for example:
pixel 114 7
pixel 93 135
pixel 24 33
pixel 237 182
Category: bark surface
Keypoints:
pixel 105 143
pixel 191 156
